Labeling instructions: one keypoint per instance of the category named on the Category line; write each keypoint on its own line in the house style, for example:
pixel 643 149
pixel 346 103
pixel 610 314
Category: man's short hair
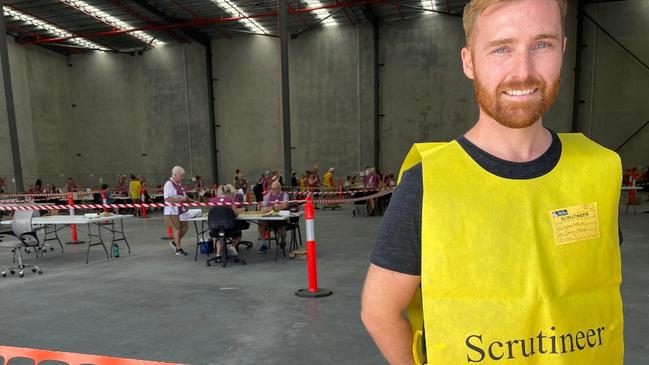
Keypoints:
pixel 475 8
pixel 177 170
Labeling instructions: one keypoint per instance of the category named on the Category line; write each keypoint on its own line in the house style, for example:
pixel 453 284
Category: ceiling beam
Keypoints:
pixel 314 25
pixel 24 40
pixel 370 14
pixel 203 22
pixel 192 34
pixel 120 4
pixel 82 9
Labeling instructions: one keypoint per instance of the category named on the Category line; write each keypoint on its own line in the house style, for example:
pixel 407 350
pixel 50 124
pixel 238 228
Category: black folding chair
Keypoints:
pixel 222 223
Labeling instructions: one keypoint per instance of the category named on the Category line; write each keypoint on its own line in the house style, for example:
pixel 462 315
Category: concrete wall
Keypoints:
pixel 40 90
pixel 330 78
pixel 424 95
pixel 247 108
pixel 99 115
pixel 615 86
pixel 140 114
pixel 95 116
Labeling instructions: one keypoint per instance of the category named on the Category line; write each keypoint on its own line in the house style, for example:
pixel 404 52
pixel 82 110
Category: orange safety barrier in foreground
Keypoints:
pixel 9 353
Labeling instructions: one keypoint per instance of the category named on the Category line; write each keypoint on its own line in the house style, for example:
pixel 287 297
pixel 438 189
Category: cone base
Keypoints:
pixel 318 293
pixel 74 242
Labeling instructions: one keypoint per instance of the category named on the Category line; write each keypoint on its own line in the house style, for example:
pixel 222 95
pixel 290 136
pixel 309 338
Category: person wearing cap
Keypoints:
pixel 328 179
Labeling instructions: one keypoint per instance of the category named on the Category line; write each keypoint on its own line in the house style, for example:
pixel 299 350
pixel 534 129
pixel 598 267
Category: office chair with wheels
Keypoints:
pixel 25 238
pixel 222 223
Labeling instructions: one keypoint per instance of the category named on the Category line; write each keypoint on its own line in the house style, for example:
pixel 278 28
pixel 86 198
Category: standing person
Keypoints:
pixel 265 181
pixel 145 191
pixel 240 182
pixel 199 185
pixel 313 181
pixel 71 186
pixel 122 188
pixel 372 181
pixel 303 184
pixel 328 179
pixel 38 186
pixel 506 239
pixel 134 187
pixel 294 181
pixel 174 192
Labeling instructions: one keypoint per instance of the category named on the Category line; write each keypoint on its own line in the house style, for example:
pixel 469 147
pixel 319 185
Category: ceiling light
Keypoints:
pixel 51 28
pixel 234 11
pixel 321 13
pixel 429 4
pixel 111 20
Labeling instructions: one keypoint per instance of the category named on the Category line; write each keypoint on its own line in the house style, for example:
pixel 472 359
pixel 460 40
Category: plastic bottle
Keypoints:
pixel 115 250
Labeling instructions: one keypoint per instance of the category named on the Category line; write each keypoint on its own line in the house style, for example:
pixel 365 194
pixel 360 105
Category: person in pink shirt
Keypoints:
pixel 372 183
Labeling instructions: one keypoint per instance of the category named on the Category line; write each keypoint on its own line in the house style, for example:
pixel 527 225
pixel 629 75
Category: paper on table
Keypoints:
pixel 192 213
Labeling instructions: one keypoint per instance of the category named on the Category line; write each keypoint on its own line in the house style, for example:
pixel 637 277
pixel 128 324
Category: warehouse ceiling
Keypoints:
pixel 74 26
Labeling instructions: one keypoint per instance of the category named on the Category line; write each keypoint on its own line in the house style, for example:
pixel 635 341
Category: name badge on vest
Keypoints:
pixel 576 223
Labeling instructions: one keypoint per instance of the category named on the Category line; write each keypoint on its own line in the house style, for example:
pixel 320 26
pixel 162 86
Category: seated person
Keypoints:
pixel 274 200
pixel 226 194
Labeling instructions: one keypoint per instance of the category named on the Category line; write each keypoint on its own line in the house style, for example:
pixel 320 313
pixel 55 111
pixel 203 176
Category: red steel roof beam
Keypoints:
pixel 101 20
pixel 206 22
pixel 76 35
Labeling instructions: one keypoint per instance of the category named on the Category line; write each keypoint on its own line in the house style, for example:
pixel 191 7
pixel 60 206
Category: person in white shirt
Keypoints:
pixel 174 192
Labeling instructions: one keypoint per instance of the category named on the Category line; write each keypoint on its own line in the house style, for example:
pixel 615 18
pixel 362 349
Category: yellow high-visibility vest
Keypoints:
pixel 134 189
pixel 519 271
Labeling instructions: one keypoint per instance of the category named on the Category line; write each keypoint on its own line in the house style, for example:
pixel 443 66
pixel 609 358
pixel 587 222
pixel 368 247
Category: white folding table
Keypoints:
pixel 107 223
pixel 251 216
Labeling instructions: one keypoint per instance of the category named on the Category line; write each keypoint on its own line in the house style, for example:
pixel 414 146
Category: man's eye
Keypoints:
pixel 542 45
pixel 500 50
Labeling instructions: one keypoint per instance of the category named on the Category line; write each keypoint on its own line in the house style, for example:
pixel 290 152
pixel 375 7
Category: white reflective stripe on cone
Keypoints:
pixel 310 234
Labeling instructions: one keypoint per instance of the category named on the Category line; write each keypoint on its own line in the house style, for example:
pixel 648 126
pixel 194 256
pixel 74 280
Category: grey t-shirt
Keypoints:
pixel 398 245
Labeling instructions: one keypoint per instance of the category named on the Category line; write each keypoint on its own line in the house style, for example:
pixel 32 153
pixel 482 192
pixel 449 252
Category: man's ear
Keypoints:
pixel 467 63
pixel 565 42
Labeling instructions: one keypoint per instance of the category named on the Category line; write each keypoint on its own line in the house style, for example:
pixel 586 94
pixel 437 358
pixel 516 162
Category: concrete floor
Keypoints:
pixel 156 306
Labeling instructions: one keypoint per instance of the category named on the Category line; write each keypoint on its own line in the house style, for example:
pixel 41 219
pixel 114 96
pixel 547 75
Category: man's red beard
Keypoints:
pixel 517 114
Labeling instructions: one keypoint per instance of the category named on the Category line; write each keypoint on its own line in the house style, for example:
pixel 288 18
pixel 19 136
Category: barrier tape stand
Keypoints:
pixel 312 291
pixel 73 227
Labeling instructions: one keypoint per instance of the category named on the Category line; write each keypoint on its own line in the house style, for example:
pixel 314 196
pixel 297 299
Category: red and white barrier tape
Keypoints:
pixel 32 195
pixel 335 192
pixel 11 207
pixel 83 192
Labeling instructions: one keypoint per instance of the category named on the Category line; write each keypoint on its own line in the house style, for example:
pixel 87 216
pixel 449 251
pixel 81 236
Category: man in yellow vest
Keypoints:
pixel 503 245
pixel 134 188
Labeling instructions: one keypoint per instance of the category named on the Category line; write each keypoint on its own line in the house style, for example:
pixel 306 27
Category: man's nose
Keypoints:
pixel 523 65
